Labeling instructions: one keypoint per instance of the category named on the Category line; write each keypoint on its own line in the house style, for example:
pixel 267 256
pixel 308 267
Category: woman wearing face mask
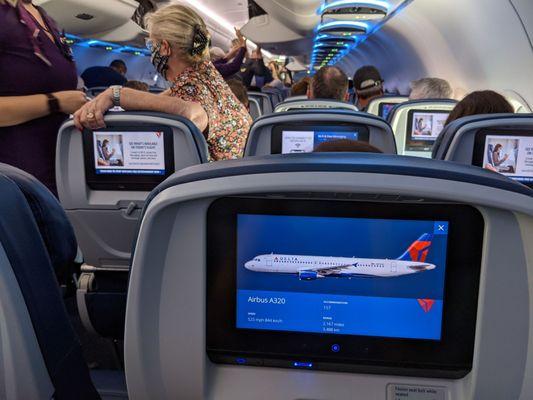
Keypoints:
pixel 37 88
pixel 179 42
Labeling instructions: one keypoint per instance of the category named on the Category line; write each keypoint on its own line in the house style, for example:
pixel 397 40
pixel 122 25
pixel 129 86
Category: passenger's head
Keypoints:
pixel 178 39
pixel 105 142
pixel 346 145
pixel 430 88
pixel 300 87
pixel 329 83
pixel 481 102
pixel 368 84
pixel 119 66
pixel 216 53
pixel 137 85
pixel 239 90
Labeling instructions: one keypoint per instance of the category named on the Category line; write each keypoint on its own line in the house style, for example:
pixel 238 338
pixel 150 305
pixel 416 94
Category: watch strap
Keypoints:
pixel 53 103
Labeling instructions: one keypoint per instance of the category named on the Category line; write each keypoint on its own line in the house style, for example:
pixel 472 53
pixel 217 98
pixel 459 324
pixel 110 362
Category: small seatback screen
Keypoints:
pixel 423 128
pixel 307 141
pixel 506 152
pixel 372 277
pixel 129 153
pixel 385 108
pixel 305 138
pixel 127 157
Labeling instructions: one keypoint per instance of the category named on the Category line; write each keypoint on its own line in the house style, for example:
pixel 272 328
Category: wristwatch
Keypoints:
pixel 115 90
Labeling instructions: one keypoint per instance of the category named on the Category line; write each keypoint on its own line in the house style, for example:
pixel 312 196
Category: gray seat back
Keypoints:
pixel 472 140
pixel 260 136
pixel 402 120
pixel 166 358
pixel 105 221
pixel 313 104
pixel 264 101
pixel 255 108
pixel 376 105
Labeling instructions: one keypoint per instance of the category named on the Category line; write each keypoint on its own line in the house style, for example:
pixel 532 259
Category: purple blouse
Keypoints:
pixel 31 146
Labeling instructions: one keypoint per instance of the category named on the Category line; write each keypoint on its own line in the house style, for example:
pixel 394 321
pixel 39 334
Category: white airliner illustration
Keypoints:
pixel 312 267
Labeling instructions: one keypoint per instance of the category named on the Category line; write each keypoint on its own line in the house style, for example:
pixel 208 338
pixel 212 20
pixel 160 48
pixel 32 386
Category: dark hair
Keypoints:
pixel 104 142
pixel 118 64
pixel 239 90
pixel 480 102
pixel 300 87
pixel 346 145
pixel 497 147
pixel 330 83
pixel 137 85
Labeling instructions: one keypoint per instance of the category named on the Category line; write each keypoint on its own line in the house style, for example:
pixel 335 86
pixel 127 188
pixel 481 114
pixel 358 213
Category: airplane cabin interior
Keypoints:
pixel 373 245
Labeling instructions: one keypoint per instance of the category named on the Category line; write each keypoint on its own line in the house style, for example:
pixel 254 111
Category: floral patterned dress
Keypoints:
pixel 229 121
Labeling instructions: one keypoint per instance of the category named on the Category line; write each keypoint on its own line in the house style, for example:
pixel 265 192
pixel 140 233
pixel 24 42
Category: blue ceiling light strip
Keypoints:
pixel 359 38
pixel 74 40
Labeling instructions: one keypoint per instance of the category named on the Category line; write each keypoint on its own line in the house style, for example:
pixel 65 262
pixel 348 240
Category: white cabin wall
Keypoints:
pixel 475 44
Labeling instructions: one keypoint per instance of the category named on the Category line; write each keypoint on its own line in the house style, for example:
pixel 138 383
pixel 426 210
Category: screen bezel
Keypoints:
pixel 382 106
pixel 277 131
pixel 480 138
pixel 408 131
pixel 448 357
pixel 126 182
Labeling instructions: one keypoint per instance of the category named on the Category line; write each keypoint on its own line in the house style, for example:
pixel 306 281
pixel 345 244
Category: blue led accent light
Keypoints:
pixel 113 47
pixel 302 364
pixel 369 26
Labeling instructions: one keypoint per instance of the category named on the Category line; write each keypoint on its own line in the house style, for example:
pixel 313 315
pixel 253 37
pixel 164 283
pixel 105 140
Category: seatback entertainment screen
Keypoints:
pixel 373 277
pixel 129 153
pixel 128 158
pixel 508 153
pixel 423 128
pixel 307 141
pixel 306 138
pixel 343 285
pixel 385 108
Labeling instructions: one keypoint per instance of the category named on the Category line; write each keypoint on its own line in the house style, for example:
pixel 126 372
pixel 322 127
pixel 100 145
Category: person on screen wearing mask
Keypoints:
pixel 179 43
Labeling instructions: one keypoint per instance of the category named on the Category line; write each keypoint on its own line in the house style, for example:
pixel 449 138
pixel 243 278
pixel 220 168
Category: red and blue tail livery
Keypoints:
pixel 418 251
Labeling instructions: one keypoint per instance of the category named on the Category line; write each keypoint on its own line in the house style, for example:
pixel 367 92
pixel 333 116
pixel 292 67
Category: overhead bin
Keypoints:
pixel 354 10
pixel 343 28
pixel 81 17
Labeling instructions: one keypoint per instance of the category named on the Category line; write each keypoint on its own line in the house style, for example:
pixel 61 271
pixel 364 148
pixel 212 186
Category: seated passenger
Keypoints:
pixel 300 87
pixel 239 90
pixel 137 85
pixel 231 63
pixel 368 85
pixel 430 88
pixel 179 46
pixel 480 102
pixel 115 74
pixel 329 83
pixel 346 145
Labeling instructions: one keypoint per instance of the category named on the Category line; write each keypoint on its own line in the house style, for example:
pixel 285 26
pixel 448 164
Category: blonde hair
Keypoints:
pixel 183 28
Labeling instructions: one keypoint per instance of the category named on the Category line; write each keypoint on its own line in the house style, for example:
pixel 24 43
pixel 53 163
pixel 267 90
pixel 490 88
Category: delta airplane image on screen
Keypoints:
pixel 312 267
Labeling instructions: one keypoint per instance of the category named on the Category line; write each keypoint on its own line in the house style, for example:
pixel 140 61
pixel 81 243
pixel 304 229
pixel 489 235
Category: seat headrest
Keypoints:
pixel 305 104
pixel 54 226
pixel 444 140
